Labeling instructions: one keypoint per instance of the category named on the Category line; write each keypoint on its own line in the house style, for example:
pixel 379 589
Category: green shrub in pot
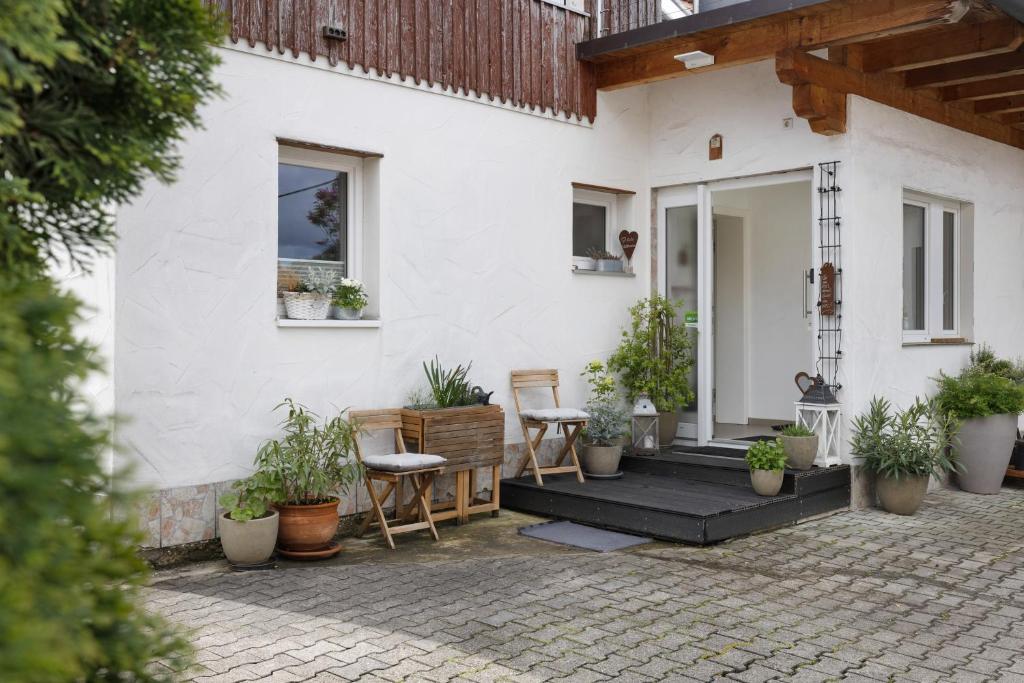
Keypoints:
pixel 248 527
pixel 801 446
pixel 608 422
pixel 767 460
pixel 903 449
pixel 988 406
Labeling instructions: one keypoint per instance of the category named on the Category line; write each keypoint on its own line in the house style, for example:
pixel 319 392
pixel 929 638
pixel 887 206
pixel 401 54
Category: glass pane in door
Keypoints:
pixel 681 285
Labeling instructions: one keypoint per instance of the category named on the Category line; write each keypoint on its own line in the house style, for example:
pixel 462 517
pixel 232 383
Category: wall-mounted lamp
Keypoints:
pixel 696 59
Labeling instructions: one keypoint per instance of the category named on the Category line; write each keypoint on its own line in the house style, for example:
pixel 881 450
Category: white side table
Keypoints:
pixel 825 420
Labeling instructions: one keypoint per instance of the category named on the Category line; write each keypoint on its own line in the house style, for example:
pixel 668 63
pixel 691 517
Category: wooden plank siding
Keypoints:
pixel 519 52
pixel 626 15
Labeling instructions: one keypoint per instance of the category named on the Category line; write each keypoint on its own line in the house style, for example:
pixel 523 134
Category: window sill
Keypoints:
pixel 958 342
pixel 365 323
pixel 602 273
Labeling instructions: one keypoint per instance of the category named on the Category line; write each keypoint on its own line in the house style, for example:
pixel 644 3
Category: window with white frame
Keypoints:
pixel 318 215
pixel 932 268
pixel 593 215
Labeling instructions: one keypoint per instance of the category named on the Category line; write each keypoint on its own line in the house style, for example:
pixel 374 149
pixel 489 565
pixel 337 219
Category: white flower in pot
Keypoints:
pixel 349 300
pixel 310 297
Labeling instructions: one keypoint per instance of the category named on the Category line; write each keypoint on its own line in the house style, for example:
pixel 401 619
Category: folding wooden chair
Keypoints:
pixel 394 469
pixel 569 420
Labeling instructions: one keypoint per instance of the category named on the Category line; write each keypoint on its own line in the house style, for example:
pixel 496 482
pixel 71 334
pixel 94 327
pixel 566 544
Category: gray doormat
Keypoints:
pixel 580 536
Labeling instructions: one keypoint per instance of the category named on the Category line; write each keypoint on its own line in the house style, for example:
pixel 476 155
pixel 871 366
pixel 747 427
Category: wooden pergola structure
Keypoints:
pixel 956 62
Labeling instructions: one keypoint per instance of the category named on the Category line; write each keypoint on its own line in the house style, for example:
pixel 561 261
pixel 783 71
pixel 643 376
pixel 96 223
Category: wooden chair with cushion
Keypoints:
pixel 393 469
pixel 569 420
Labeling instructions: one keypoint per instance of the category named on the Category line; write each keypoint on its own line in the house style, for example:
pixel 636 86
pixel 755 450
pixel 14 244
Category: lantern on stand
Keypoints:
pixel 645 427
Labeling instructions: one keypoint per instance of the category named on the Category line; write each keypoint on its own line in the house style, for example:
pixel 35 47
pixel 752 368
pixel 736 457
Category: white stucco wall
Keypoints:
pixel 475 205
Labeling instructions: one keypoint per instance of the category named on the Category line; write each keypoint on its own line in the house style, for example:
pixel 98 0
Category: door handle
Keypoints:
pixel 806 277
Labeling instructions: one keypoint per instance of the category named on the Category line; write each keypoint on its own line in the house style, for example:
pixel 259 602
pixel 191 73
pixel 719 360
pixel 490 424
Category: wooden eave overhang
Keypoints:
pixel 956 62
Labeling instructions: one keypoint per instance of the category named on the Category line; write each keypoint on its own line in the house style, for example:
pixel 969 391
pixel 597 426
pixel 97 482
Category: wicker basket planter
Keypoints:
pixel 306 305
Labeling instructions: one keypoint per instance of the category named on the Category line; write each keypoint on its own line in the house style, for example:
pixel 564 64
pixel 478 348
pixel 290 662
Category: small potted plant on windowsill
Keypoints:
pixel 801 446
pixel 605 261
pixel 767 461
pixel 248 528
pixel 349 300
pixel 310 299
pixel 903 449
pixel 608 421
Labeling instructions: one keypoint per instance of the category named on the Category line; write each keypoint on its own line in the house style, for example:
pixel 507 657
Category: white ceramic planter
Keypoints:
pixel 584 263
pixel 339 313
pixel 306 305
pixel 249 542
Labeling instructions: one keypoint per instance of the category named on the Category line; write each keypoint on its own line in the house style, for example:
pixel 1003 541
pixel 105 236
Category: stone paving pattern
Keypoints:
pixel 859 596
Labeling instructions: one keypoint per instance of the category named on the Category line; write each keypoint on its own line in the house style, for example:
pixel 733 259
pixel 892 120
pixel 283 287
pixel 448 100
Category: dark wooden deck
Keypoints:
pixel 696 498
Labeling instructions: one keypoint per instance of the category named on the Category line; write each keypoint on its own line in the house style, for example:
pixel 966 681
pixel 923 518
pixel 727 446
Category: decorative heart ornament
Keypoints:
pixel 628 241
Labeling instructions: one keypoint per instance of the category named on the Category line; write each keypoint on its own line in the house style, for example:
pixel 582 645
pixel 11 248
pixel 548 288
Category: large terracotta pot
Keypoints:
pixel 767 482
pixel 307 527
pixel 800 451
pixel 984 449
pixel 901 496
pixel 601 460
pixel 249 542
pixel 668 425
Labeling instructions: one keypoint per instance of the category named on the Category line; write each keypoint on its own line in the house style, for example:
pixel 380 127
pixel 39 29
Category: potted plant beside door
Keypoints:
pixel 654 358
pixel 903 449
pixel 608 419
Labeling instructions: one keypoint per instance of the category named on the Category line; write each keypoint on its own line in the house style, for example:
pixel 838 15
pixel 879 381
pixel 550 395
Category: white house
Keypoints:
pixel 463 211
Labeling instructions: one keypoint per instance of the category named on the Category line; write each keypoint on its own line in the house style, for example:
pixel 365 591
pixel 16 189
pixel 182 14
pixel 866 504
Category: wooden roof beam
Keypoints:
pixel 953 44
pixel 999 105
pixel 798 68
pixel 1015 119
pixel 977 90
pixel 838 23
pixel 1009 64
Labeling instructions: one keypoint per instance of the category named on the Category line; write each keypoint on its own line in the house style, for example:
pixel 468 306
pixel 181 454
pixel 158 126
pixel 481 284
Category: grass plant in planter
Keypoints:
pixel 655 358
pixel 248 528
pixel 903 449
pixel 609 421
pixel 988 405
pixel 303 473
pixel 605 261
pixel 767 460
pixel 310 297
pixel 349 300
pixel 801 446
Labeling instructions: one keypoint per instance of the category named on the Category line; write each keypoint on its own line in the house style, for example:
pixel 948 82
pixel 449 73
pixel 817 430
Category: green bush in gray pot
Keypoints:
pixel 903 449
pixel 767 461
pixel 801 446
pixel 988 405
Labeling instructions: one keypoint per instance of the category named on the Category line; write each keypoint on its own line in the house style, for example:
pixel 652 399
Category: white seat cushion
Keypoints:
pixel 553 414
pixel 403 462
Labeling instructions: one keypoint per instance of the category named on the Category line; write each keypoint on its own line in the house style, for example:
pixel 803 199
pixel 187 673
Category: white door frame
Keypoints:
pixel 700 194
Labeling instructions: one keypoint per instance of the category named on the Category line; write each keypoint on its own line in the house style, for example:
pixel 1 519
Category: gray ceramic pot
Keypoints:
pixel 901 496
pixel 668 425
pixel 601 459
pixel 249 542
pixel 984 449
pixel 800 451
pixel 340 313
pixel 607 265
pixel 767 482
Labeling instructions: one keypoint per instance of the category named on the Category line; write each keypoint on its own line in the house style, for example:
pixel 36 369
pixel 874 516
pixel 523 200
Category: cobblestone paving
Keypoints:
pixel 860 596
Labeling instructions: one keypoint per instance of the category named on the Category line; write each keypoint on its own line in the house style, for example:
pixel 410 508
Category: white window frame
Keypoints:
pixel 353 166
pixel 603 199
pixel 935 208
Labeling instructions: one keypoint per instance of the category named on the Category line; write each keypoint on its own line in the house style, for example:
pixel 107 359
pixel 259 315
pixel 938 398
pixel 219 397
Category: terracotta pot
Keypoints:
pixel 307 527
pixel 767 482
pixel 800 451
pixel 984 449
pixel 668 425
pixel 601 459
pixel 901 496
pixel 249 542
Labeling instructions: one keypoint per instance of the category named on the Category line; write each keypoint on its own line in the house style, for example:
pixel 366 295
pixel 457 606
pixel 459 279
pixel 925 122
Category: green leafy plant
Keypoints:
pixel 796 430
pixel 609 420
pixel 905 443
pixel 985 361
pixel 250 498
pixel 350 293
pixel 449 388
pixel 319 280
pixel 602 384
pixel 654 355
pixel 312 463
pixel 766 455
pixel 979 394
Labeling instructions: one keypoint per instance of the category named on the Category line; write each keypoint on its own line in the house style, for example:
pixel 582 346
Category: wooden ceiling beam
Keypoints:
pixel 953 44
pixel 1014 119
pixel 838 23
pixel 1006 85
pixel 1009 64
pixel 798 68
pixel 999 105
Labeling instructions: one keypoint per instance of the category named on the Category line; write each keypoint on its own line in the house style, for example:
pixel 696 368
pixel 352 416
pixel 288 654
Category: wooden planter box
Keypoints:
pixel 469 437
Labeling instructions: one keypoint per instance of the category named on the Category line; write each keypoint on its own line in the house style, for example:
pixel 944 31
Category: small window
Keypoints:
pixel 592 220
pixel 931 268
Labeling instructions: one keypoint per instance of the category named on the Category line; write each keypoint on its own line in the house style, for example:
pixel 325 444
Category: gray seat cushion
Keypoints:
pixel 554 414
pixel 403 462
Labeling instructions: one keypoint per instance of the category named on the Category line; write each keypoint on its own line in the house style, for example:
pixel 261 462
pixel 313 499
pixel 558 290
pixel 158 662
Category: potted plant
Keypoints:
pixel 654 358
pixel 801 446
pixel 605 261
pixel 310 297
pixel 767 461
pixel 248 528
pixel 349 300
pixel 988 405
pixel 602 448
pixel 304 472
pixel 903 449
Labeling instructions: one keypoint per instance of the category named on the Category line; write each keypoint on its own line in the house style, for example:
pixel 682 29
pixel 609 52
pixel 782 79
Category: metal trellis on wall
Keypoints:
pixel 830 281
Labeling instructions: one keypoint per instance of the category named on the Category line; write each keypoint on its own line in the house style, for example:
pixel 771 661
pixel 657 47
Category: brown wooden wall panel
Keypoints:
pixel 521 52
pixel 625 15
